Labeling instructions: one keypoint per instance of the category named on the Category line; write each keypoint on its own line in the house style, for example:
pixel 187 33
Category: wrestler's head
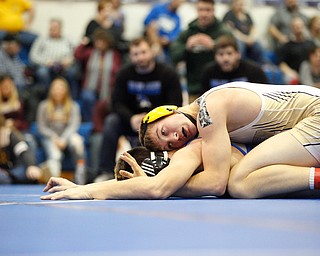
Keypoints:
pixel 151 162
pixel 166 128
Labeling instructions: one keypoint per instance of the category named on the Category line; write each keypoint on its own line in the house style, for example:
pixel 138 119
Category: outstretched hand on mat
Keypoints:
pixel 76 193
pixel 56 184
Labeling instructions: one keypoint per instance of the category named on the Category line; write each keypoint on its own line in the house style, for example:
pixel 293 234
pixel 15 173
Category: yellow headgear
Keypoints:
pixel 159 112
pixel 154 115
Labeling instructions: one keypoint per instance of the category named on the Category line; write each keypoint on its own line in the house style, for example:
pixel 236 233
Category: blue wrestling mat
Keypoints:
pixel 207 226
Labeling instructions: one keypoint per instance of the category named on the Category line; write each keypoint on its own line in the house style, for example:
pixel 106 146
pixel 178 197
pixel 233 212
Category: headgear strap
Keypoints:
pixel 157 161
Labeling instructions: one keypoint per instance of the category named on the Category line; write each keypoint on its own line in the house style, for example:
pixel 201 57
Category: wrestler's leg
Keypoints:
pixel 278 165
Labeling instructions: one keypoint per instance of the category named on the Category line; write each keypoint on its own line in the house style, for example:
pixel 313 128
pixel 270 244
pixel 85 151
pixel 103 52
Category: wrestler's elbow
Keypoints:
pixel 238 189
pixel 158 192
pixel 215 181
pixel 214 187
pixel 218 188
pixel 158 195
pixel 218 184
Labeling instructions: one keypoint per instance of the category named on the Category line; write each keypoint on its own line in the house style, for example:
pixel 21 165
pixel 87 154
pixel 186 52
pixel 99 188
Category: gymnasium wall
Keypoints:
pixel 76 14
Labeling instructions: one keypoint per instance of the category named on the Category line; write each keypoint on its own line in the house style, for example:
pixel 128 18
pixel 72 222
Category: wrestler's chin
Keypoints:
pixel 192 132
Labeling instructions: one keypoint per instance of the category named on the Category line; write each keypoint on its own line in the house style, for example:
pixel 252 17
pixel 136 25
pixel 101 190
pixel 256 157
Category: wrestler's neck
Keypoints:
pixel 191 109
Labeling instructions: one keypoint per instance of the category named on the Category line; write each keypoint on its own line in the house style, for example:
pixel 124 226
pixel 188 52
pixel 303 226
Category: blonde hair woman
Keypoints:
pixel 59 119
pixel 10 104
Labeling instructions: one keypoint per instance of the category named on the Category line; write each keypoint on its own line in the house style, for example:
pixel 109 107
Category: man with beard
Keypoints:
pixel 195 45
pixel 280 23
pixel 140 86
pixel 229 66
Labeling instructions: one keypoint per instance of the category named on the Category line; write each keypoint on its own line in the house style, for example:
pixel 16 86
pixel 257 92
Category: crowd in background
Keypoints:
pixel 50 87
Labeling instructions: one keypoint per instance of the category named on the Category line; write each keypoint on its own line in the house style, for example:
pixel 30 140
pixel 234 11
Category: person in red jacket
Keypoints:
pixel 99 63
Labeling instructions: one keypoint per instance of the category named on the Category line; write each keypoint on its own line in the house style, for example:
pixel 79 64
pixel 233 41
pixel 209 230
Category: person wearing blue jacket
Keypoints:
pixel 162 26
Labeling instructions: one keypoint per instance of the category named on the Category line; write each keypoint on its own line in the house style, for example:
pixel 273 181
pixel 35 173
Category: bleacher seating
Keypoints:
pixel 67 164
pixel 272 71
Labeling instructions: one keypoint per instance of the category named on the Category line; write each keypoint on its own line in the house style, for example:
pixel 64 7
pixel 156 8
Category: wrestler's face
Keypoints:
pixel 227 58
pixel 172 132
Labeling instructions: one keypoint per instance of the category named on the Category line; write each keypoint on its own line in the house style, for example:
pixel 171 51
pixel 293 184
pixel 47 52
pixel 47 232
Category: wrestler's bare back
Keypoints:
pixel 242 105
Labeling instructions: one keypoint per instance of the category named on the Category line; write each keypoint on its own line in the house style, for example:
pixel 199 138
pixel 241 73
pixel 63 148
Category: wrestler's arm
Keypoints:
pixel 216 153
pixel 161 186
pixel 193 187
pixel 190 189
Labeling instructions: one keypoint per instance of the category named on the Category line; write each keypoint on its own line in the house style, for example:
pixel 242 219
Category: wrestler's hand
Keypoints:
pixel 57 184
pixel 137 171
pixel 75 193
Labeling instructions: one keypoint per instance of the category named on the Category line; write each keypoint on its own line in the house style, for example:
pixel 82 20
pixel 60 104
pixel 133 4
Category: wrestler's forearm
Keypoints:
pixel 198 185
pixel 138 188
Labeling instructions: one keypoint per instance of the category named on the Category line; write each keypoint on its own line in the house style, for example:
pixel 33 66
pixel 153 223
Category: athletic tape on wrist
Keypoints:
pixel 311 178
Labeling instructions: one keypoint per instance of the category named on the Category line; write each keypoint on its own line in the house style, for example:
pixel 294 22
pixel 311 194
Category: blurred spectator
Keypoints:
pixel 12 107
pixel 294 52
pixel 16 17
pixel 58 120
pixel 310 69
pixel 100 111
pixel 117 14
pixel 140 86
pixel 241 24
pixel 108 18
pixel 195 45
pixel 162 26
pixel 17 161
pixel 101 62
pixel 10 62
pixel 314 29
pixel 118 19
pixel 229 66
pixel 280 23
pixel 52 56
